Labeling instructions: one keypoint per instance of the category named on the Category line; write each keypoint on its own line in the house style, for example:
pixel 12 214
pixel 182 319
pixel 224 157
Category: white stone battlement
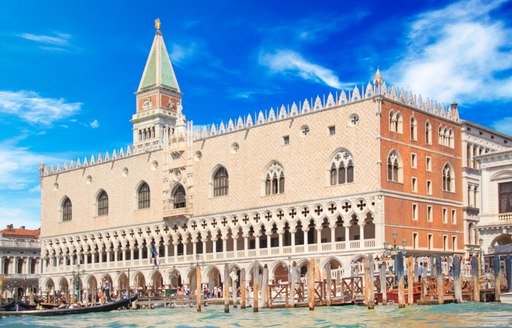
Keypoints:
pixel 98 159
pixel 343 98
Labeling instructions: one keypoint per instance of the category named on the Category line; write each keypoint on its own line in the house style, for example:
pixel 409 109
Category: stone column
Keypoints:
pixel 305 240
pixel 269 240
pixel 470 164
pixel 347 236
pixel 280 234
pixel 224 245
pixel 167 243
pixel 319 237
pixel 175 244
pixel 361 235
pixel 292 234
pixel 257 242
pixel 333 236
pixel 246 243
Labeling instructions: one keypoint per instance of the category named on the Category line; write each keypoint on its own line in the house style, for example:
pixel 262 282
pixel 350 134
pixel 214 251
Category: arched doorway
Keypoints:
pixel 123 284
pixel 157 283
pixel 336 268
pixel 214 280
pixel 281 273
pixel 92 290
pixel 175 279
pixel 139 282
pixel 64 287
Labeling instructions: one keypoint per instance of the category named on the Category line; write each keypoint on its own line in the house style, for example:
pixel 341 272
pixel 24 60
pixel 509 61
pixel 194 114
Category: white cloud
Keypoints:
pixel 180 53
pixel 58 39
pixel 94 124
pixel 504 125
pixel 458 53
pixel 287 61
pixel 25 212
pixel 34 109
pixel 19 166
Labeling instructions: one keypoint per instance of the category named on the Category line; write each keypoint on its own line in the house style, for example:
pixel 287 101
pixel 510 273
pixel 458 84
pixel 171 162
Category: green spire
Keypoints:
pixel 158 70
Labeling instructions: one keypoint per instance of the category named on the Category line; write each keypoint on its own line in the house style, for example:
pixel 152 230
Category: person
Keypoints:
pixel 63 304
pixel 106 289
pixel 420 271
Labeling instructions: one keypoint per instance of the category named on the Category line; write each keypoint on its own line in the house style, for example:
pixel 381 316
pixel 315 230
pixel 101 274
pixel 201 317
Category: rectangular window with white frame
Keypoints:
pixel 445 243
pixel 415 212
pixel 414 160
pixel 429 163
pixel 454 216
pixel 454 243
pixel 445 215
pixel 415 240
pixel 429 187
pixel 430 241
pixel 430 214
pixel 414 184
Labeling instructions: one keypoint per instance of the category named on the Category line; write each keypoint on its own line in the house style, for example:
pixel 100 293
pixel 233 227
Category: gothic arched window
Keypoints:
pixel 334 174
pixel 102 203
pixel 394 167
pixel 179 197
pixel 342 168
pixel 220 182
pixel 67 210
pixel 144 196
pixel 428 133
pixel 414 130
pixel 274 183
pixel 448 178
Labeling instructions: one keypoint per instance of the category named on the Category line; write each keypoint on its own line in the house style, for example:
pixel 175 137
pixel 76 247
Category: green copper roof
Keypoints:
pixel 158 70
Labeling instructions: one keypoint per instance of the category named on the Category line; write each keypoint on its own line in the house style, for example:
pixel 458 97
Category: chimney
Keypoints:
pixel 9 227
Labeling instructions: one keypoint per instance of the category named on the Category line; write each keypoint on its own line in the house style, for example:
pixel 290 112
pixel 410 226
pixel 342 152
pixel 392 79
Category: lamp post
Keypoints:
pixel 77 283
pixel 481 255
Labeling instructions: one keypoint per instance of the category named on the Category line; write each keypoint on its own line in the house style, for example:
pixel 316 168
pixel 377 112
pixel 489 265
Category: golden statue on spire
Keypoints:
pixel 157 24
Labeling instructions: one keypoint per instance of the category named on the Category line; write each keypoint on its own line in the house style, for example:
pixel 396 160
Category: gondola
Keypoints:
pixel 124 303
pixel 7 305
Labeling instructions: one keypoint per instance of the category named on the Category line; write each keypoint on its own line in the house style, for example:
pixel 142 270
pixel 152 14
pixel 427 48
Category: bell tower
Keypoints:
pixel 158 96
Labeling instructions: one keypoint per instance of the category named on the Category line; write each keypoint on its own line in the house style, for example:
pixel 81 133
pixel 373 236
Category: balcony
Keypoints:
pixel 172 213
pixel 322 249
pixel 505 216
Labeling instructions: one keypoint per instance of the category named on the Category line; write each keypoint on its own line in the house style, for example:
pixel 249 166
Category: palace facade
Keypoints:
pixel 334 178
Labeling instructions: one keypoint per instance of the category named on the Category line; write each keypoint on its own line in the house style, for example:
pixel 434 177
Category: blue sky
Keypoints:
pixel 68 69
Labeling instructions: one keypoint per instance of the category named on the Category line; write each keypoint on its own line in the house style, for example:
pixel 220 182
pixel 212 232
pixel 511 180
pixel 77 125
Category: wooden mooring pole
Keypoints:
pixel 400 273
pixel 243 289
pixel 234 290
pixel 256 286
pixel 440 284
pixel 456 279
pixel 475 274
pixel 199 291
pixel 410 280
pixel 264 287
pixel 291 292
pixel 226 288
pixel 497 280
pixel 370 289
pixel 383 283
pixel 328 283
pixel 311 285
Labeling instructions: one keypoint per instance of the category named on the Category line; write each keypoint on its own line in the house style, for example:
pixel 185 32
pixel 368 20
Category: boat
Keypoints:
pixel 506 298
pixel 7 305
pixel 124 303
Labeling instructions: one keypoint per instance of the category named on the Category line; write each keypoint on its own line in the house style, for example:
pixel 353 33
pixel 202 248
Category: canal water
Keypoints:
pixel 449 315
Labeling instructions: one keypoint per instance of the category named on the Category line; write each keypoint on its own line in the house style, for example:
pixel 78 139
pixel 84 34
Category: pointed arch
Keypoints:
pixel 414 128
pixel 341 167
pixel 395 166
pixel 220 182
pixel 428 133
pixel 67 209
pixel 274 178
pixel 143 195
pixel 102 203
pixel 179 196
pixel 448 178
